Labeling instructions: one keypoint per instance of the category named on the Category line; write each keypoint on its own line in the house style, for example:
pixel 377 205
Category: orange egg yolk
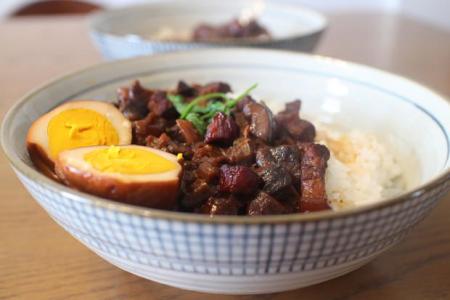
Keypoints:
pixel 74 128
pixel 130 161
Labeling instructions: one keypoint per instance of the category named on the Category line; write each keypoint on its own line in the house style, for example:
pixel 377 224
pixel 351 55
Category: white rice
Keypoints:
pixel 361 170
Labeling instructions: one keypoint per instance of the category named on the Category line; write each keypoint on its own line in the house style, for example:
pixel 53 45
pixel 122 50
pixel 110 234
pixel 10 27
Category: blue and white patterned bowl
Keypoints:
pixel 243 255
pixel 130 31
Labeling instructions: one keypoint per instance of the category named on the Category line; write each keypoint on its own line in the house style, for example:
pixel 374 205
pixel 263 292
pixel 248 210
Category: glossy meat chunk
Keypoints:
pixel 275 179
pixel 313 167
pixel 195 193
pixel 297 128
pixel 238 180
pixel 165 143
pixel 288 157
pixel 222 130
pixel 188 131
pixel 215 87
pixel 151 125
pixel 185 89
pixel 264 204
pixel 204 151
pixel 241 104
pixel 159 105
pixel 242 151
pixel 279 166
pixel 262 122
pixel 133 100
pixel 208 170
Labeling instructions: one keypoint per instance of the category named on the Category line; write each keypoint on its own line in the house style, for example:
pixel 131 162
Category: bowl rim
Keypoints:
pixel 102 16
pixel 32 174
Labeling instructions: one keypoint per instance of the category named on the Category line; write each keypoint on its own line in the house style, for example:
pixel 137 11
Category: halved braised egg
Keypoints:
pixel 131 174
pixel 72 125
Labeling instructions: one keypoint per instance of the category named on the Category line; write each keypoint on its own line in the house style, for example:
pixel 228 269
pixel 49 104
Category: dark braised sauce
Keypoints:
pixel 248 161
pixel 234 29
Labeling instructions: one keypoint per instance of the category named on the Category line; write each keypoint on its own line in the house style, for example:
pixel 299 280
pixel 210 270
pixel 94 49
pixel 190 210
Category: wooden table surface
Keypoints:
pixel 38 260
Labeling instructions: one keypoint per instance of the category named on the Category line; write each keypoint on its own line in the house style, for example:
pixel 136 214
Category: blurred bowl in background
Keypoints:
pixel 144 29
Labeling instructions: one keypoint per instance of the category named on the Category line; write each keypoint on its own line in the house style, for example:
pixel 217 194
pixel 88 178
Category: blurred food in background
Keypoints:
pixel 435 12
pixel 163 26
pixel 234 29
pixel 205 32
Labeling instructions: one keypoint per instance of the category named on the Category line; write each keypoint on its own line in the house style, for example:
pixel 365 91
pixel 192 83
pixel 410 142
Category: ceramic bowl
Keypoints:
pixel 241 254
pixel 131 31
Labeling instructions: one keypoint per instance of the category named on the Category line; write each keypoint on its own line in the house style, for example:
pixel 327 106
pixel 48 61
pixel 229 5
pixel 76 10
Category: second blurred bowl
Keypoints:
pixel 133 31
